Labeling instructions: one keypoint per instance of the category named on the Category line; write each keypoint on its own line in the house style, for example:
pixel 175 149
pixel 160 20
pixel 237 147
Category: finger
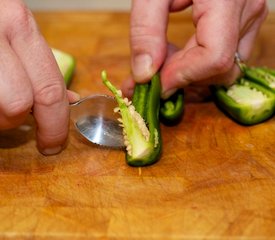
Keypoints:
pixel 171 50
pixel 253 11
pixel 247 41
pixel 245 47
pixel 15 89
pixel 73 96
pixel 51 110
pixel 252 18
pixel 207 56
pixel 177 5
pixel 127 87
pixel 148 37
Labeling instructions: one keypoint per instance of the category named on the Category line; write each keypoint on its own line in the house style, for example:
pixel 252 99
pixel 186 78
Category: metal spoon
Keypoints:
pixel 95 119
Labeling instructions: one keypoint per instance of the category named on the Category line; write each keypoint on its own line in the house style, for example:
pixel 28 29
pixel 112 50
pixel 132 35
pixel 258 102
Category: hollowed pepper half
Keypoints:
pixel 246 102
pixel 140 121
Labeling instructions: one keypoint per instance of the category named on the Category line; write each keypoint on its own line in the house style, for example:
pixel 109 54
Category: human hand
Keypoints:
pixel 222 29
pixel 30 79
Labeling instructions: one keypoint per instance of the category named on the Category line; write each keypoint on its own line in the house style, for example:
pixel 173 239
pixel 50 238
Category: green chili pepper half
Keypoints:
pixel 171 109
pixel 246 102
pixel 140 121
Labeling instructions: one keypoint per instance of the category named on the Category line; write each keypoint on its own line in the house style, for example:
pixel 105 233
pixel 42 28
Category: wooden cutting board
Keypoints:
pixel 215 179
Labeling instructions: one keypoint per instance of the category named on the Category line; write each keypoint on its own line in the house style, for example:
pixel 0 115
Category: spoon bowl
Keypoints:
pixel 94 118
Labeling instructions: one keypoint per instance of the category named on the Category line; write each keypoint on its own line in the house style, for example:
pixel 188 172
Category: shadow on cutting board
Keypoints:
pixel 19 136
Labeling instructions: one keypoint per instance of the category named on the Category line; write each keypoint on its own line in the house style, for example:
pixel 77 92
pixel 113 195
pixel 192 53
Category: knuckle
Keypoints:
pixel 20 20
pixel 141 29
pixel 183 79
pixel 260 5
pixel 265 13
pixel 18 107
pixel 221 63
pixel 54 137
pixel 49 94
pixel 144 37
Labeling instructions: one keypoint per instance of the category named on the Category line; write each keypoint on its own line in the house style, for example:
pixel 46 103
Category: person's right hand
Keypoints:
pixel 222 28
pixel 30 79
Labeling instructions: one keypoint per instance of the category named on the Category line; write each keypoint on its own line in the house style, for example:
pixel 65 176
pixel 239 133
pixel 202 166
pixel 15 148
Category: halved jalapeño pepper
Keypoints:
pixel 246 102
pixel 140 121
pixel 260 75
pixel 171 109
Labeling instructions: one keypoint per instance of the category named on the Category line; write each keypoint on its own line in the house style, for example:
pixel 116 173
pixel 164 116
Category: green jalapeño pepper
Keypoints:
pixel 140 121
pixel 171 109
pixel 246 102
pixel 262 76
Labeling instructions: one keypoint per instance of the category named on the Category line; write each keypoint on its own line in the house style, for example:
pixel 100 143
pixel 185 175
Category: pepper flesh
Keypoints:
pixel 269 70
pixel 246 102
pixel 140 121
pixel 171 109
pixel 262 76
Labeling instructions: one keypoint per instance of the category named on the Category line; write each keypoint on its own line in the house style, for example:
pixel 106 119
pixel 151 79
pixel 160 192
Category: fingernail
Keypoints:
pixel 168 93
pixel 142 67
pixel 51 151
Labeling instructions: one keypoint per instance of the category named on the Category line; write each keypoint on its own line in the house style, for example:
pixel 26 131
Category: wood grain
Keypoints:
pixel 215 179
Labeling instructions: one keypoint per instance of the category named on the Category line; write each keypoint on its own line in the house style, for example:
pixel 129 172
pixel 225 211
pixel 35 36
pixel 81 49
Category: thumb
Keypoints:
pixel 148 37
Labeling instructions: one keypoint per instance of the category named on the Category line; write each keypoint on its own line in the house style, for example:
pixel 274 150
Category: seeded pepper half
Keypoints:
pixel 140 121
